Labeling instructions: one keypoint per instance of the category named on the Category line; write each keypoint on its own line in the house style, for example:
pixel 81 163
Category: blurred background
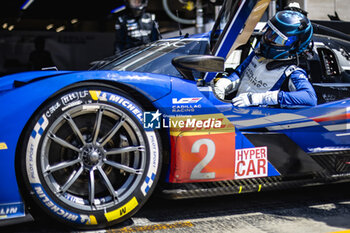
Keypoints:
pixel 77 32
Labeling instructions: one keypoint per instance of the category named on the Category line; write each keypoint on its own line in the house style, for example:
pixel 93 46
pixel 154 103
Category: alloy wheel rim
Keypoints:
pixel 95 167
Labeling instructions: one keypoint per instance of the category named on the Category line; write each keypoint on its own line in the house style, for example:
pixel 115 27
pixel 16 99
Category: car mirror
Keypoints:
pixel 202 63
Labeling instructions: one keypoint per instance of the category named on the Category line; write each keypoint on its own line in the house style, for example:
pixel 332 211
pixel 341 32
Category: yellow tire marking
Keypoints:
pixel 118 213
pixel 240 189
pixel 3 146
pixel 95 94
pixel 92 221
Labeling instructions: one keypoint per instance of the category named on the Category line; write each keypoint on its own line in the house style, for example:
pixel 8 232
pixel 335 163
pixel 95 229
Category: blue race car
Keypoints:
pixel 88 148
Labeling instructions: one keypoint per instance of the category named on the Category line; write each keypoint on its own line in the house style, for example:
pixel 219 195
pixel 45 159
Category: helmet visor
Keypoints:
pixel 274 37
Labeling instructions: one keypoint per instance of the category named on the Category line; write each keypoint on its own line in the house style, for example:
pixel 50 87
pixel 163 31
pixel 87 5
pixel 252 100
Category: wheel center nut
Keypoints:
pixel 91 155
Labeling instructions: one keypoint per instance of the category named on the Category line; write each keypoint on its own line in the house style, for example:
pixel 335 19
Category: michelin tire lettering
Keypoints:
pixel 92 135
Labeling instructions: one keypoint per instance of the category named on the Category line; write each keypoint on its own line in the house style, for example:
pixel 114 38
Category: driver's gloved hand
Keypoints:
pixel 255 99
pixel 226 85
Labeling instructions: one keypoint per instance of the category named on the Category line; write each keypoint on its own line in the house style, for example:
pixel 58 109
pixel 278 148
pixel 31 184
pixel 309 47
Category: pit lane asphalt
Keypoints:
pixel 311 209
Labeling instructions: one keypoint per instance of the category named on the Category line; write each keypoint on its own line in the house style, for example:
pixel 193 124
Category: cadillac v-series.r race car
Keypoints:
pixel 89 147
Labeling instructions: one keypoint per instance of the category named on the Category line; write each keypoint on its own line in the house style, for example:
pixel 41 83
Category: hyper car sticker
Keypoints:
pixel 251 163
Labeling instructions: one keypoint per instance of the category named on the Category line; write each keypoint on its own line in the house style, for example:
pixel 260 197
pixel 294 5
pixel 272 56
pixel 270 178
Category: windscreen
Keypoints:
pixel 156 57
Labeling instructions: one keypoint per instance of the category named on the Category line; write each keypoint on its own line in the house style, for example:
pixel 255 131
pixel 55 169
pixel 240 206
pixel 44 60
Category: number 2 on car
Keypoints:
pixel 202 156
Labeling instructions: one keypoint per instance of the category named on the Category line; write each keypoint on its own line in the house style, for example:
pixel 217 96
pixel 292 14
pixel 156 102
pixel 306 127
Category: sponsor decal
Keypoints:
pixel 198 124
pixel 11 210
pixel 155 120
pixel 193 123
pixel 254 80
pixel 192 100
pixel 152 120
pixel 251 163
pixel 185 104
pixel 120 212
pixel 3 146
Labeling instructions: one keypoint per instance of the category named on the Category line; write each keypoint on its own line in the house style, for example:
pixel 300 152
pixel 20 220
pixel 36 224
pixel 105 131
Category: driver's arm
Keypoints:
pixel 300 93
pixel 229 84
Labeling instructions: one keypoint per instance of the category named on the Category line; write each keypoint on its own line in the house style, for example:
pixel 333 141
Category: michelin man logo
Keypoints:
pixel 152 120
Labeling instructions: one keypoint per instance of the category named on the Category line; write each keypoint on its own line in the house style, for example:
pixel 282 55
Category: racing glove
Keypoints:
pixel 255 99
pixel 225 86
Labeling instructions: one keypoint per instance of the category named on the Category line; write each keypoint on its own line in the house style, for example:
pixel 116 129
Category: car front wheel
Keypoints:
pixel 87 159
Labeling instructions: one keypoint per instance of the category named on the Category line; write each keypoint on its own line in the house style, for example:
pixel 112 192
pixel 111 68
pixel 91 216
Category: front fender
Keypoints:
pixel 22 94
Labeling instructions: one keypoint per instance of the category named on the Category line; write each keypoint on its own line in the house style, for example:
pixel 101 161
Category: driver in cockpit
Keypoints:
pixel 267 76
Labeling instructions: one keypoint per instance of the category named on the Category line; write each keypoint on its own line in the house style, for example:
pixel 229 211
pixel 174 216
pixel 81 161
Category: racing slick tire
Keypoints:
pixel 87 159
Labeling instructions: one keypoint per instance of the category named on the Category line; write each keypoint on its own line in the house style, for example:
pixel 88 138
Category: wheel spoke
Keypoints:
pixel 92 187
pixel 124 168
pixel 125 150
pixel 75 128
pixel 113 131
pixel 60 166
pixel 97 125
pixel 75 175
pixel 108 183
pixel 63 142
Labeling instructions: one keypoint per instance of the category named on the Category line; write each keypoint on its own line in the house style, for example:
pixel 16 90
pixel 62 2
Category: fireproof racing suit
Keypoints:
pixel 257 84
